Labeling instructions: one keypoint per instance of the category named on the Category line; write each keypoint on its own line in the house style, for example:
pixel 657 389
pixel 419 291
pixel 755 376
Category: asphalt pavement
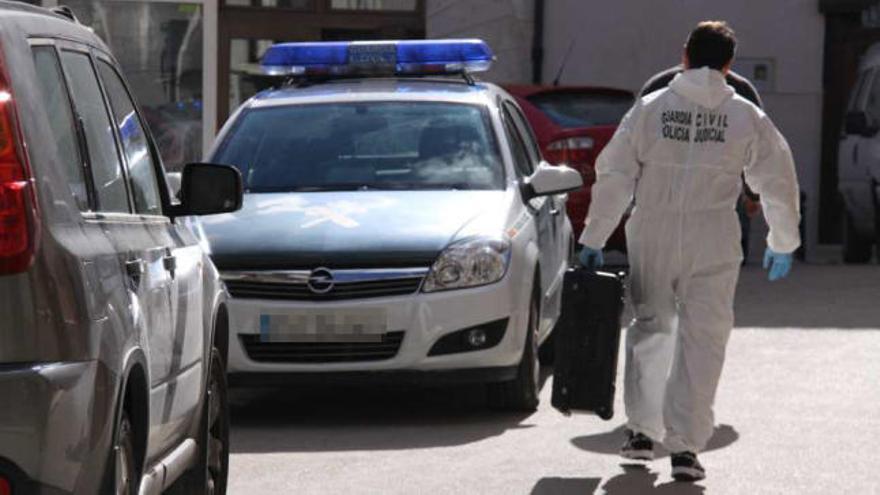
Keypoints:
pixel 798 411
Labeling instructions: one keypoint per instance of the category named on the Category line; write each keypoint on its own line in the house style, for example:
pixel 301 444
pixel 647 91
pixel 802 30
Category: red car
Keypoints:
pixel 572 125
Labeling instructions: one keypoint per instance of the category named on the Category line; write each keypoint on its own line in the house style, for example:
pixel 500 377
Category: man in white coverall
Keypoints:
pixel 680 152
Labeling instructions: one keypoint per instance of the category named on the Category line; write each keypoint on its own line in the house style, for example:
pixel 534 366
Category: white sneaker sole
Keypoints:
pixel 638 455
pixel 682 473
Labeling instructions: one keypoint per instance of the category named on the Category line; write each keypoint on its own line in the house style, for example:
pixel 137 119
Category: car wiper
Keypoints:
pixel 421 186
pixel 373 186
pixel 330 188
pixel 315 188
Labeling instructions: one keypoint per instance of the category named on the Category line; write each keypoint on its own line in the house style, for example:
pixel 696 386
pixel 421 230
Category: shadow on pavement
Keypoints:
pixel 813 297
pixel 610 442
pixel 639 480
pixel 566 486
pixel 364 418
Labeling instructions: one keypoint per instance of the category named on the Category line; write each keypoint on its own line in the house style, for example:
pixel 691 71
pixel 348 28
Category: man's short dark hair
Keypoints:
pixel 711 44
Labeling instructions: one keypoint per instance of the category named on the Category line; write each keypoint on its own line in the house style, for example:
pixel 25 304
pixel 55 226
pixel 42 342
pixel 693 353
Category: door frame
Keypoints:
pixel 846 40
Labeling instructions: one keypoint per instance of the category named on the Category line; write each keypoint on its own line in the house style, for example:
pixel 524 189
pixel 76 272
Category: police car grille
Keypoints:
pixel 301 292
pixel 321 352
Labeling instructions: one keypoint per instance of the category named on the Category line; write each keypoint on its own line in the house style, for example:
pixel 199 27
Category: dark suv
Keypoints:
pixel 113 338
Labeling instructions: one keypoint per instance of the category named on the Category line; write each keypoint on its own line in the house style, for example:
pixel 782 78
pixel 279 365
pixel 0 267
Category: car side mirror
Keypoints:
pixel 208 189
pixel 857 123
pixel 551 179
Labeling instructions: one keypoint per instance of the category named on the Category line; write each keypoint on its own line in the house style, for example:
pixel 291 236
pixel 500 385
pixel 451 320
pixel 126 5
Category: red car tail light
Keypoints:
pixel 572 151
pixel 17 217
pixel 5 489
pixel 577 152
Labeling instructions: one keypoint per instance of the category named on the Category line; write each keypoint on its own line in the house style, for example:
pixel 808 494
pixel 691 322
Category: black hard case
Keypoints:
pixel 587 340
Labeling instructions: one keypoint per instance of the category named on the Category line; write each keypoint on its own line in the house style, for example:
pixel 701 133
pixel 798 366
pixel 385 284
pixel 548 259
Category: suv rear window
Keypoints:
pixel 55 99
pixel 374 145
pixel 578 109
pixel 110 189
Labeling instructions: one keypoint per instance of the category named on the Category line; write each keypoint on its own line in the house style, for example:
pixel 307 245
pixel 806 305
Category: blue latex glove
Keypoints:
pixel 778 263
pixel 591 258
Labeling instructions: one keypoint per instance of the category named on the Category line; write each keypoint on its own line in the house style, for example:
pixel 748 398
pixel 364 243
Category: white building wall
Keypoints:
pixel 505 24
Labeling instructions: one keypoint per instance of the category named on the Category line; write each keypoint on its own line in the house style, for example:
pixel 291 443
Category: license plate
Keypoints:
pixel 372 54
pixel 366 325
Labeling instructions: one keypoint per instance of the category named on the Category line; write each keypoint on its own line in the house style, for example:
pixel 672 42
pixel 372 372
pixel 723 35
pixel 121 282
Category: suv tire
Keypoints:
pixel 521 393
pixel 209 475
pixel 125 478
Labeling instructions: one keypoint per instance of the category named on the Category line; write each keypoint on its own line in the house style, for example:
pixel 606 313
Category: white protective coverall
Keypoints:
pixel 681 152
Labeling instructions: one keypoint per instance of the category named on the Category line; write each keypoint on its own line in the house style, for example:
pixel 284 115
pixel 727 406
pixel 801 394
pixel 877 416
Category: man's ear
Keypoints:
pixel 726 69
pixel 685 61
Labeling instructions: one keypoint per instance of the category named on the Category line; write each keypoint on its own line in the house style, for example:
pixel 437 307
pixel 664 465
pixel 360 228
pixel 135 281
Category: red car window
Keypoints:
pixel 571 109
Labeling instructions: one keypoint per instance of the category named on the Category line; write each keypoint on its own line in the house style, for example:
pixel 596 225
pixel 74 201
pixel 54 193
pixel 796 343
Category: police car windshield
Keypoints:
pixel 364 146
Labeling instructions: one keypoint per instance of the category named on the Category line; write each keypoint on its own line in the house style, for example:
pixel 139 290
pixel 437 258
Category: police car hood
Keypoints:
pixel 703 86
pixel 362 229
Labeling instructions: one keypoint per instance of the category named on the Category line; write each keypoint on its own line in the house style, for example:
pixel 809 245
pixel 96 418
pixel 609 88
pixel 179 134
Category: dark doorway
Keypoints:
pixel 846 39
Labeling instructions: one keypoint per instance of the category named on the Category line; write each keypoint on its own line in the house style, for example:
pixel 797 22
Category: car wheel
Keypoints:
pixel 521 394
pixel 209 475
pixel 125 480
pixel 857 249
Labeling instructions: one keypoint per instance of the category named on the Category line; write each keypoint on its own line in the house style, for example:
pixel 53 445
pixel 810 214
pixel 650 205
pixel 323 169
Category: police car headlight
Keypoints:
pixel 469 263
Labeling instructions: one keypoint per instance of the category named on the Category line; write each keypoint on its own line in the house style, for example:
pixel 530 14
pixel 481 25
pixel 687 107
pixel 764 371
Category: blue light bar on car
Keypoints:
pixel 378 57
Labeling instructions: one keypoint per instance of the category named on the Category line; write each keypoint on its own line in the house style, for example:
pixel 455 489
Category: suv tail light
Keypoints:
pixel 17 201
pixel 5 489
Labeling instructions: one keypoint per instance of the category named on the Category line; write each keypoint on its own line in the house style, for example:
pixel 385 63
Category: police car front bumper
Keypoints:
pixel 423 319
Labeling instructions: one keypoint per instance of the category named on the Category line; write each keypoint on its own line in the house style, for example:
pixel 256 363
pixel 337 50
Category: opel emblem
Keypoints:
pixel 320 281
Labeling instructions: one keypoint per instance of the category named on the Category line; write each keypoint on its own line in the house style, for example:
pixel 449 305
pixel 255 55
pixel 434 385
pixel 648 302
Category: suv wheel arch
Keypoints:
pixel 133 397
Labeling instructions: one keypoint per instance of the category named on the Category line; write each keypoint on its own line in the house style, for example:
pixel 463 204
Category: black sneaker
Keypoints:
pixel 637 447
pixel 686 467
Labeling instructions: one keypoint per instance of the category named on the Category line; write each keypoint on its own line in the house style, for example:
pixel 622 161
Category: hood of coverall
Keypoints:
pixel 703 86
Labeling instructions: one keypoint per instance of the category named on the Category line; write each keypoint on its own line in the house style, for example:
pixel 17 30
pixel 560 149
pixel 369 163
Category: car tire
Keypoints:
pixel 521 393
pixel 857 249
pixel 209 475
pixel 125 478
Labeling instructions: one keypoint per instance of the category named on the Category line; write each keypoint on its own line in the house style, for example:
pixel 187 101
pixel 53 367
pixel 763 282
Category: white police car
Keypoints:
pixel 398 223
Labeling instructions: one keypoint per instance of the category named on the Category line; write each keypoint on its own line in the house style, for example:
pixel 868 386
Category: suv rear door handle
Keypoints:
pixel 169 261
pixel 555 212
pixel 135 270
